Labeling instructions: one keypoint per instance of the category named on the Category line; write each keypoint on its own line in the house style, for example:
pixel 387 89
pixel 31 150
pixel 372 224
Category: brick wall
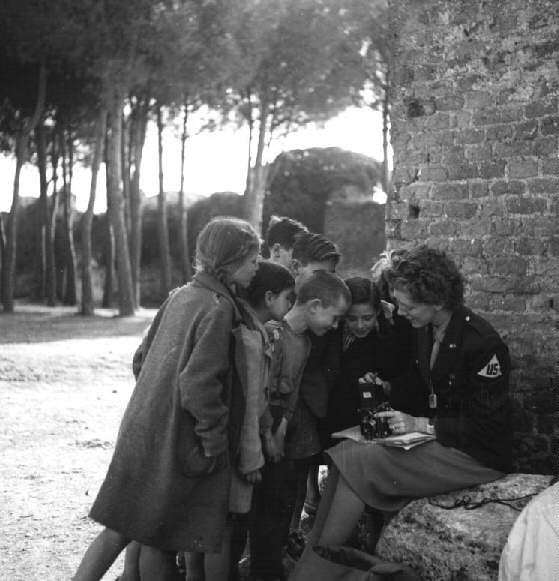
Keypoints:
pixel 475 126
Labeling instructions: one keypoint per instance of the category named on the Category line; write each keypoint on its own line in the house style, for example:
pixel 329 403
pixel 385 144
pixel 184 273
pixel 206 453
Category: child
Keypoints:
pixel 366 344
pixel 168 483
pixel 280 238
pixel 322 299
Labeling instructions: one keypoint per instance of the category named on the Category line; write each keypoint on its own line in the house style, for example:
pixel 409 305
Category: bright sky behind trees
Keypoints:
pixel 215 161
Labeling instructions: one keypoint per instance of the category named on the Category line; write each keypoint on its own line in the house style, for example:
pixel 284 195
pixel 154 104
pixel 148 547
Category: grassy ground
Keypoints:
pixel 64 383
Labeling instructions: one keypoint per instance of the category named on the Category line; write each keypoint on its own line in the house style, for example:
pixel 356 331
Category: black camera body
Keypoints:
pixel 372 400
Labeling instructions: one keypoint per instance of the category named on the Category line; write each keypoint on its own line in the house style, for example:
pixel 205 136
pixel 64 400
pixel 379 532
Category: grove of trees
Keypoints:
pixel 81 79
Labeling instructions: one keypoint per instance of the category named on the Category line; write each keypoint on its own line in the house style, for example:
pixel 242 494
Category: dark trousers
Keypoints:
pixel 272 506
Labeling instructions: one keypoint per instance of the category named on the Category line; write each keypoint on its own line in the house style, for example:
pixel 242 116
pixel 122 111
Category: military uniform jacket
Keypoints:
pixel 470 380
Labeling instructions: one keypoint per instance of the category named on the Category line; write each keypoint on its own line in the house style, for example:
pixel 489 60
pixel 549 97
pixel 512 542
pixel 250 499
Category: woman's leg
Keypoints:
pixel 131 571
pixel 157 565
pixel 100 555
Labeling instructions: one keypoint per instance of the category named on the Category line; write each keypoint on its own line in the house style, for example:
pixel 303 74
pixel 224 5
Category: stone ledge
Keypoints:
pixel 458 543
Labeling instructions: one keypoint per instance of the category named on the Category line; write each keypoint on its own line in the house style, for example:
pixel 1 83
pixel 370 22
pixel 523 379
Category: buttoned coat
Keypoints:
pixel 161 489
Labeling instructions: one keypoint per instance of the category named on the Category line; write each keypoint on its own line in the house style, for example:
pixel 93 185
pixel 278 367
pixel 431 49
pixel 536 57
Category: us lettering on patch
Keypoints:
pixel 492 370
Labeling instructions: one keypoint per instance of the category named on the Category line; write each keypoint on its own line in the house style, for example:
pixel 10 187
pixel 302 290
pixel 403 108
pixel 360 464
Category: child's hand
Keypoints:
pixel 388 310
pixel 279 440
pixel 253 477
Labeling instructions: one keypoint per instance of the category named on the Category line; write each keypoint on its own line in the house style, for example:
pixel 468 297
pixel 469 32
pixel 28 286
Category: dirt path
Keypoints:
pixel 64 383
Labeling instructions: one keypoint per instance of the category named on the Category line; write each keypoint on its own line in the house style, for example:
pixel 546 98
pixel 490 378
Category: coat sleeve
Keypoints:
pixel 487 373
pixel 204 380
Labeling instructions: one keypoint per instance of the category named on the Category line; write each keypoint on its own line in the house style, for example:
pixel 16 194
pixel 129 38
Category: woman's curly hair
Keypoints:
pixel 429 276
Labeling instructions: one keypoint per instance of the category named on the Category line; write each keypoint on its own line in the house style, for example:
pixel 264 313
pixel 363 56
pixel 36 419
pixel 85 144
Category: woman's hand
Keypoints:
pixel 401 423
pixel 388 310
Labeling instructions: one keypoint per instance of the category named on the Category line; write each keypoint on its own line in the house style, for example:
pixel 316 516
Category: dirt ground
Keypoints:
pixel 64 383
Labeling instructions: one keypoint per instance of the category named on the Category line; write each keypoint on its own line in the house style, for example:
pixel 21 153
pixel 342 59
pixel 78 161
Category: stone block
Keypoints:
pixel 465 248
pixel 497 246
pixel 431 209
pixel 526 130
pixel 550 166
pixel 462 171
pixel 413 230
pixel 492 169
pixel 545 146
pixel 441 539
pixel 507 187
pixel 541 108
pixel 553 246
pixel 397 210
pixel 473 136
pixel 449 103
pixel 478 301
pixel 507 303
pixel 543 186
pixel 444 228
pixel 453 154
pixel 450 191
pixel 514 149
pixel 550 125
pixel 461 210
pixel 478 189
pixel 518 205
pixel 522 167
pixel 433 174
pixel 527 246
pixel 478 99
pixel 499 132
pixel 478 152
pixel 514 265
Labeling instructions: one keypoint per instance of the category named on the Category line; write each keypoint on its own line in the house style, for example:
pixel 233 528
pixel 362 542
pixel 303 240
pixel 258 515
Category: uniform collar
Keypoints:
pixel 451 341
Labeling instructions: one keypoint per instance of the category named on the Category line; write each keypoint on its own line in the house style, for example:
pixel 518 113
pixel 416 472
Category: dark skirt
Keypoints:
pixel 387 478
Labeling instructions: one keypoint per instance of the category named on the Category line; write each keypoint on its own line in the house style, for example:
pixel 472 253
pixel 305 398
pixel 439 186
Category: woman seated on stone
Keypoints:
pixel 457 390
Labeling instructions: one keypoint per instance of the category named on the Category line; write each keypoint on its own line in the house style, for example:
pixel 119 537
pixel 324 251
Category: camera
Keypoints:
pixel 372 401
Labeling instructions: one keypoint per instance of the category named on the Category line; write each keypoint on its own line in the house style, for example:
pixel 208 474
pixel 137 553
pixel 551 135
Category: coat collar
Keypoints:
pixel 207 281
pixel 452 342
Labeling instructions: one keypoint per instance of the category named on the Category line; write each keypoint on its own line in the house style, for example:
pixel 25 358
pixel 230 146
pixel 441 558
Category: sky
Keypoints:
pixel 215 161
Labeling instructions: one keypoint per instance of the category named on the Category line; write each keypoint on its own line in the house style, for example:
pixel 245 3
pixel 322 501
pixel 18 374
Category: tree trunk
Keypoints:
pixel 386 186
pixel 88 308
pixel 70 294
pixel 9 257
pixel 51 229
pixel 250 136
pixel 139 117
pixel 2 248
pixel 186 266
pixel 162 224
pixel 115 209
pixel 43 214
pixel 109 255
pixel 255 198
pixel 125 160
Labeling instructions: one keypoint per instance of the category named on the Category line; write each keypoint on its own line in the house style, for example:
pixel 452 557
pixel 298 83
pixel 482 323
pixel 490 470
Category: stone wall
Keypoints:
pixel 475 126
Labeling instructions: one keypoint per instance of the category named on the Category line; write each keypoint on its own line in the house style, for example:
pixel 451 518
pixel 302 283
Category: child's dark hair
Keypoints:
pixel 363 291
pixel 329 288
pixel 282 230
pixel 430 276
pixel 269 277
pixel 310 247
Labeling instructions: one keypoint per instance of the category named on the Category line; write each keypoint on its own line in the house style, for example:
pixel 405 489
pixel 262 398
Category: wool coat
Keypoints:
pixel 169 479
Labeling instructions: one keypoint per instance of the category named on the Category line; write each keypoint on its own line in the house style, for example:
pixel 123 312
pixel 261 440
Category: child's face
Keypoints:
pixel 321 319
pixel 245 272
pixel 279 304
pixel 360 319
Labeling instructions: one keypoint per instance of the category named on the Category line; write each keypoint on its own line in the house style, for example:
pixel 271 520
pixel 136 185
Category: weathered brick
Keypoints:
pixel 478 228
pixel 462 210
pixel 478 301
pixel 402 175
pixel 397 211
pixel 518 205
pixel 497 245
pixel 550 166
pixel 499 132
pixel 526 130
pixel 472 135
pixel 514 148
pixel 413 230
pixel 466 248
pixel 462 171
pixel 433 174
pixel 476 99
pixel 492 169
pixel 449 191
pixel 545 146
pixel 550 125
pixel 444 228
pixel 415 190
pixel 453 154
pixel 431 209
pixel 505 187
pixel 449 103
pixel 527 246
pixel 522 168
pixel 478 152
pixel 494 115
pixel 541 108
pixel 478 189
pixel 508 303
pixel 543 186
pixel 554 246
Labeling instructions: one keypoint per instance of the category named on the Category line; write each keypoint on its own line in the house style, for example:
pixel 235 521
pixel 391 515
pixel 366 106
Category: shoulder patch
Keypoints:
pixel 492 369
